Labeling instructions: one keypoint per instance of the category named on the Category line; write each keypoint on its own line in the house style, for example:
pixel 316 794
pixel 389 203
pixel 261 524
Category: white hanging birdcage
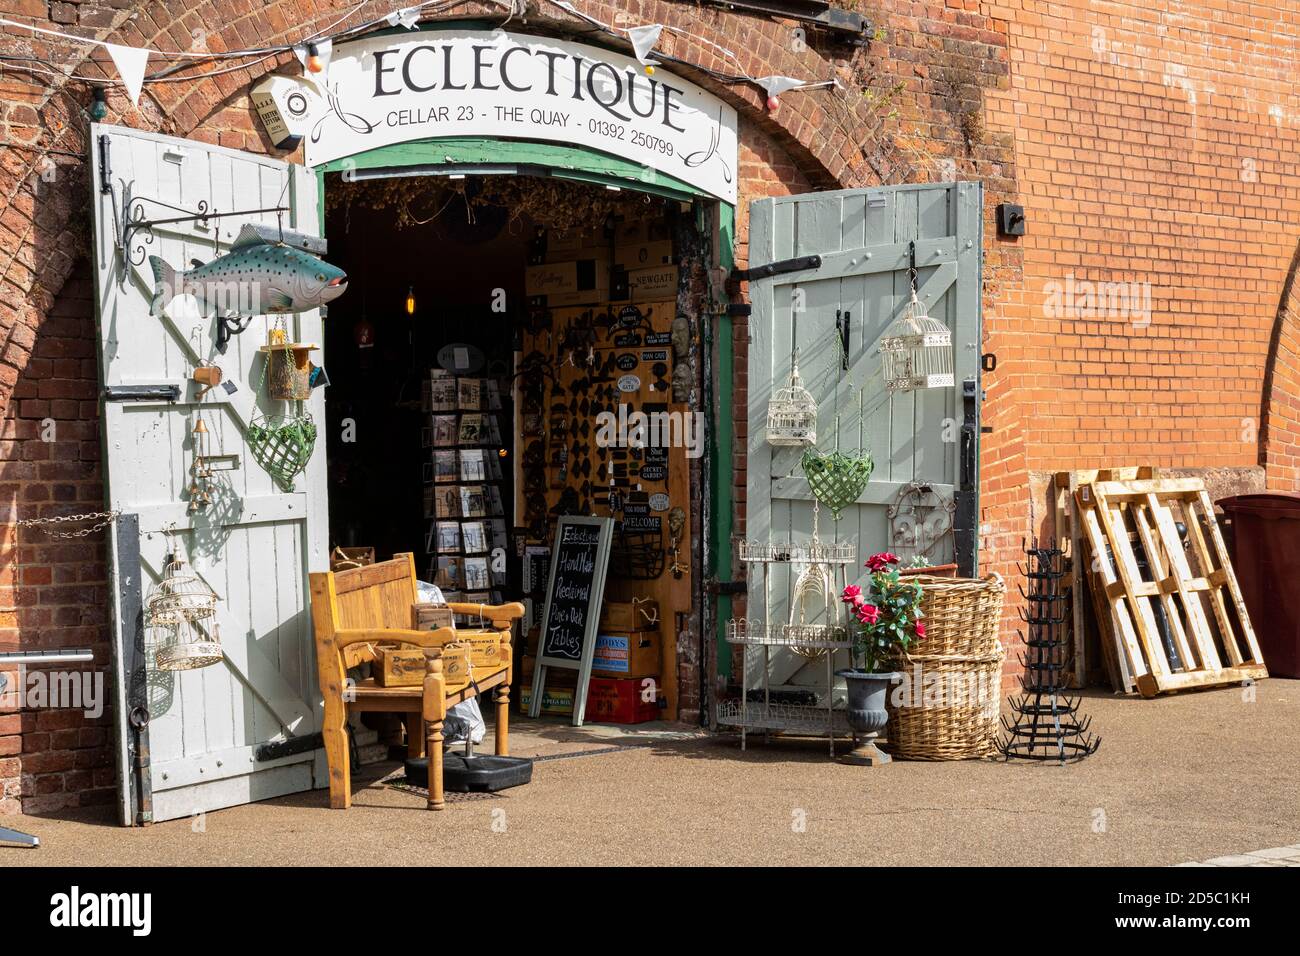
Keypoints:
pixel 173 609
pixel 792 414
pixel 916 351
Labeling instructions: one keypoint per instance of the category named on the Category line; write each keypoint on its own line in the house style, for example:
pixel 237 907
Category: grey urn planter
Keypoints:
pixel 867 714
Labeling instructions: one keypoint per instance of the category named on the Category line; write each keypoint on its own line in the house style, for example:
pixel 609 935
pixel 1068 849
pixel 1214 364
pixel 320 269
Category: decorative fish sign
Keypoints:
pixel 255 277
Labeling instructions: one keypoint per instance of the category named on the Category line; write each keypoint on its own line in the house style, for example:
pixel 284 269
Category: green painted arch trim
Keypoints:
pixel 568 162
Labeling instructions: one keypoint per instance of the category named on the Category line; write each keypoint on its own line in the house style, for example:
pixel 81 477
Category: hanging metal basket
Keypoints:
pixel 916 351
pixel 837 480
pixel 792 414
pixel 282 445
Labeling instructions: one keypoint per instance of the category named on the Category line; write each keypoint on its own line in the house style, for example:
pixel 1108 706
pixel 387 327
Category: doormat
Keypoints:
pixel 397 780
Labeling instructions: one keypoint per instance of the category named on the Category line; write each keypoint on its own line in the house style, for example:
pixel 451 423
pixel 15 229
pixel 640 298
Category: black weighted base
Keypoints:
pixel 486 774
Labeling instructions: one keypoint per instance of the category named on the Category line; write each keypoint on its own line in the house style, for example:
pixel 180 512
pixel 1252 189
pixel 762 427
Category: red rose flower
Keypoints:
pixel 920 629
pixel 880 562
pixel 868 613
pixel 852 594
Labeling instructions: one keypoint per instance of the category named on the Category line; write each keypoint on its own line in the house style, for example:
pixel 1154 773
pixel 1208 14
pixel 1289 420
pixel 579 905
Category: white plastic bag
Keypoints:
pixel 464 720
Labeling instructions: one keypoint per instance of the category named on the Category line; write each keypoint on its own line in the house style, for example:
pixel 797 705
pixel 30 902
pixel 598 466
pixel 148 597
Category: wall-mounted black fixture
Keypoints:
pixel 1011 219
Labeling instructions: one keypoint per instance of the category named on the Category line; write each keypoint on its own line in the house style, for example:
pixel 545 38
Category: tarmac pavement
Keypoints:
pixel 1196 776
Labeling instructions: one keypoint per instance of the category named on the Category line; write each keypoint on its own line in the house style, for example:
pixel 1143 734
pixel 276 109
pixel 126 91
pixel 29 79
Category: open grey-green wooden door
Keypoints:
pixel 921 497
pixel 255 544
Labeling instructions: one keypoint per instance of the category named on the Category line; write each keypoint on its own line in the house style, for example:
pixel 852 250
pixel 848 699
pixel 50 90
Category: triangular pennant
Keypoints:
pixel 644 40
pixel 130 62
pixel 776 85
pixel 406 16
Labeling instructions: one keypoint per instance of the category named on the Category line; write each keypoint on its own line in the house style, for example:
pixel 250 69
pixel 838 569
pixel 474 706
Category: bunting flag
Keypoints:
pixel 408 17
pixel 130 62
pixel 776 85
pixel 644 40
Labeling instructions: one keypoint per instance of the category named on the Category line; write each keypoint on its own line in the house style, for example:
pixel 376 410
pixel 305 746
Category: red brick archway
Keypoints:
pixel 831 140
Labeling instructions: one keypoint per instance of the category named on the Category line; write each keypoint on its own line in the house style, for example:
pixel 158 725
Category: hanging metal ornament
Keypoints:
pixel 174 609
pixel 200 491
pixel 837 480
pixel 792 413
pixel 916 350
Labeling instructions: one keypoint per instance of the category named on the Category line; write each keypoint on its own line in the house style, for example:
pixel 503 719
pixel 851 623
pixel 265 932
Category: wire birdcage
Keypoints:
pixel 917 351
pixel 792 414
pixel 174 608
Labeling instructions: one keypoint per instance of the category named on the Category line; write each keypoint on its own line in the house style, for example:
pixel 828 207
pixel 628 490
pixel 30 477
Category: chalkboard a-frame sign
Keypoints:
pixel 571 614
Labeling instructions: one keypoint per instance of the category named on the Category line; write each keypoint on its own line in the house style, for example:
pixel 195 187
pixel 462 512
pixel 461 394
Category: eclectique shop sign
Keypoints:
pixel 395 89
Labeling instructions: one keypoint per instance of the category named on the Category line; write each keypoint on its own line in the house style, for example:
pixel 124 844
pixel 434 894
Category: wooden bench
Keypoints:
pixel 357 612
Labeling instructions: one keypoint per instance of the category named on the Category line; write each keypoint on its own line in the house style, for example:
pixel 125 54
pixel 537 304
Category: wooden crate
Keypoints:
pixel 457 668
pixel 1208 649
pixel 430 617
pixel 399 666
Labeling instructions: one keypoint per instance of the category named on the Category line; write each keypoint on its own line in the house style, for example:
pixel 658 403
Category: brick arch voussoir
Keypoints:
pixel 1279 434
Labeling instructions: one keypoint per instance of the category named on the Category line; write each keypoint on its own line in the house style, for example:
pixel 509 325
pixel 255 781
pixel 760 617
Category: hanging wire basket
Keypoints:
pixel 282 445
pixel 792 414
pixel 837 480
pixel 916 351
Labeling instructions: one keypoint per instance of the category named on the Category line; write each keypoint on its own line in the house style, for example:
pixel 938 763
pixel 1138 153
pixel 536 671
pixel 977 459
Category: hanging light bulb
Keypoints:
pixel 773 104
pixel 98 104
pixel 410 300
pixel 314 62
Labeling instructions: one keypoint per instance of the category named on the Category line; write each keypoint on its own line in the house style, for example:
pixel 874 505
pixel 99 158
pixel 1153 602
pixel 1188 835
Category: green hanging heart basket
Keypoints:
pixel 282 445
pixel 837 480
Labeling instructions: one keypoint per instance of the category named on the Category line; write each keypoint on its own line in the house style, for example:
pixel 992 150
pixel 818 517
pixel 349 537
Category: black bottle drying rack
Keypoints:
pixel 1047 724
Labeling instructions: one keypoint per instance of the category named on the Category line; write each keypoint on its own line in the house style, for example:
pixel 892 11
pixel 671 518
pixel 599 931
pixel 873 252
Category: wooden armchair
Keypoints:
pixel 358 611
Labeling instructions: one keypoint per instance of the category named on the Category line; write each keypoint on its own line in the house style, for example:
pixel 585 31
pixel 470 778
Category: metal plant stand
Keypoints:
pixel 811 640
pixel 1047 724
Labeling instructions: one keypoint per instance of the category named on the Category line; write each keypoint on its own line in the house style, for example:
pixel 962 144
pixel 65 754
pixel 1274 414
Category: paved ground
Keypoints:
pixel 1197 776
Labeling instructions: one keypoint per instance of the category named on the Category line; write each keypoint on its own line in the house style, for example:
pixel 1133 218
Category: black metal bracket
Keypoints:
pixel 798 264
pixel 227 326
pixel 287 748
pixel 134 221
pixel 726 587
pixel 815 12
pixel 142 393
pixel 965 533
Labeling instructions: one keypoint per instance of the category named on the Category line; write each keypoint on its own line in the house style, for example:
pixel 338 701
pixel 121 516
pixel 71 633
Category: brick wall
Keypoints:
pixel 1157 149
pixel 53 592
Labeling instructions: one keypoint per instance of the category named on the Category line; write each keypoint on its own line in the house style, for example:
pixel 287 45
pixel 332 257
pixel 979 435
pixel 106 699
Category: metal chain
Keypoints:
pixel 102 519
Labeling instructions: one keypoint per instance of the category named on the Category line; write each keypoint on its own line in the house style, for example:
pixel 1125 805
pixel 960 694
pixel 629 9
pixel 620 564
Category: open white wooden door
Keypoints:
pixel 207 731
pixel 838 276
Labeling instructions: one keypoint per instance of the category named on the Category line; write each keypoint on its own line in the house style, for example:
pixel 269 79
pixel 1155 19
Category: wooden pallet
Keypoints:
pixel 1082 581
pixel 1205 650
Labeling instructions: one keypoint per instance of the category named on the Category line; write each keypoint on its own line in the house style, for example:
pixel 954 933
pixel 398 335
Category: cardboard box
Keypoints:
pixel 575 282
pixel 653 284
pixel 642 255
pixel 572 242
pixel 609 700
pixel 641 230
pixel 626 654
pixel 399 667
pixel 628 616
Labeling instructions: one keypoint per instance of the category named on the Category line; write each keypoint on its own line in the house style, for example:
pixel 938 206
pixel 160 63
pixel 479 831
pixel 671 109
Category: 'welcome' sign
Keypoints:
pixel 398 88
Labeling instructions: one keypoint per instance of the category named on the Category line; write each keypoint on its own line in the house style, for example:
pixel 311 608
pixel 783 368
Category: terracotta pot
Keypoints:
pixel 936 570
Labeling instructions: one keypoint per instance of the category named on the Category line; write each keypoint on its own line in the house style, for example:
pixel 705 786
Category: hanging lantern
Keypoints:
pixel 916 351
pixel 175 607
pixel 792 414
pixel 410 301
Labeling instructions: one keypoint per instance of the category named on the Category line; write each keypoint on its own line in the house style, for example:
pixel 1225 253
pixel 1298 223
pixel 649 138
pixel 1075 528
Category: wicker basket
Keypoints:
pixel 961 648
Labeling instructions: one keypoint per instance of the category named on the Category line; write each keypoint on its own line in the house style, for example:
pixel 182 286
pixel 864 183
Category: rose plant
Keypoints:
pixel 888 613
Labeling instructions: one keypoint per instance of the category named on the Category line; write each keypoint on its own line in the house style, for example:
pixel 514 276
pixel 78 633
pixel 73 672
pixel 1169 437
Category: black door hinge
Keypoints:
pixel 798 264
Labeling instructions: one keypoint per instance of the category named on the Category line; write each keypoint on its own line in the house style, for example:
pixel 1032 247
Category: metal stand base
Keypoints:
pixel 22 839
pixel 866 754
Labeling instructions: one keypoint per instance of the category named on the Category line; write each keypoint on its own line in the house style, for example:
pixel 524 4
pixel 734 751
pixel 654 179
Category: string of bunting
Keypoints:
pixel 314 52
